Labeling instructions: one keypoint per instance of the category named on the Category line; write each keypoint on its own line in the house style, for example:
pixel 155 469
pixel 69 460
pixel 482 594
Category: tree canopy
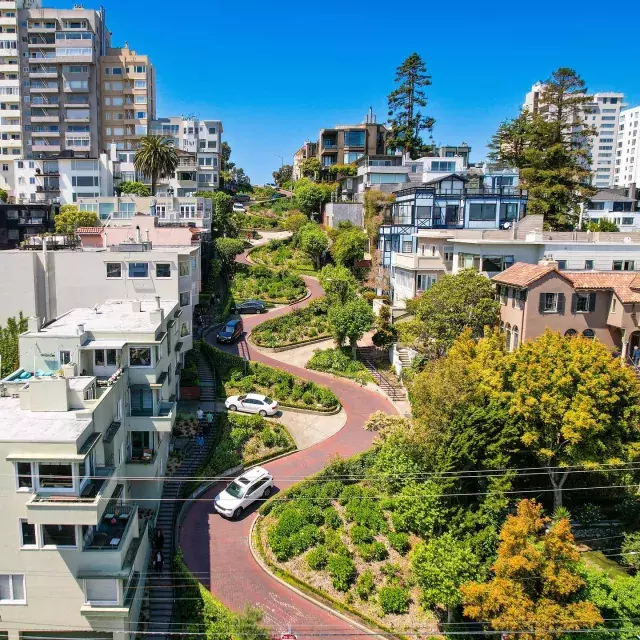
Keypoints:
pixel 9 344
pixel 156 157
pixel 283 174
pixel 406 120
pixel 70 218
pixel 135 188
pixel 227 249
pixel 351 320
pixel 338 283
pixel 313 241
pixel 537 581
pixel 348 246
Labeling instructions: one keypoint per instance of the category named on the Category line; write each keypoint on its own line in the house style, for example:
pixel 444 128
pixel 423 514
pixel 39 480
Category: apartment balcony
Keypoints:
pixel 11 128
pixel 11 143
pixel 48 188
pixel 162 423
pixel 115 530
pixel 38 56
pixel 43 74
pixel 47 118
pixel 415 262
pixel 29 222
pixel 41 44
pixel 77 118
pixel 46 148
pixel 41 28
pixel 51 87
pixel 8 22
pixel 59 507
pixel 46 134
pixel 10 68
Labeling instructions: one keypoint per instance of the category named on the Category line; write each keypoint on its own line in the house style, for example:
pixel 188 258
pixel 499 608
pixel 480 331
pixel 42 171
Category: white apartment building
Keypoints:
pixel 86 423
pixel 627 171
pixel 64 180
pixel 602 113
pixel 617 205
pixel 48 284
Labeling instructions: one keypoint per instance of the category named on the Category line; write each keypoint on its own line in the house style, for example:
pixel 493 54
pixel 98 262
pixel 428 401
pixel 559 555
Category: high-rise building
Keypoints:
pixel 128 88
pixel 601 113
pixel 627 167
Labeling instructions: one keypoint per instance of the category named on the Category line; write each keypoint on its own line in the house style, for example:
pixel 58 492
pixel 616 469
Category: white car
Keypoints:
pixel 252 403
pixel 238 207
pixel 250 486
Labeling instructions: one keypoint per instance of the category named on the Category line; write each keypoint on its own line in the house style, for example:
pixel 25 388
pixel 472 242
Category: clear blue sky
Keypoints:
pixel 276 72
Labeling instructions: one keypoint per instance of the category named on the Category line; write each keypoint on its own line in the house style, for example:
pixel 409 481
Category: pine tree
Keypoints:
pixel 404 103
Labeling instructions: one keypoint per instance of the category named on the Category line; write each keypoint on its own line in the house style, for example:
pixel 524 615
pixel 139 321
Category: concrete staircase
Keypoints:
pixel 405 359
pixel 369 356
pixel 207 379
pixel 160 585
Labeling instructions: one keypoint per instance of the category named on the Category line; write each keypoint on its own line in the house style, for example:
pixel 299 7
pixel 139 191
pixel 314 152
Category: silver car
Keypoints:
pixel 252 403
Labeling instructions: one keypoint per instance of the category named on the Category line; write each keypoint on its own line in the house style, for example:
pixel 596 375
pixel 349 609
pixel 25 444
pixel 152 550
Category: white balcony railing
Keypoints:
pixel 415 262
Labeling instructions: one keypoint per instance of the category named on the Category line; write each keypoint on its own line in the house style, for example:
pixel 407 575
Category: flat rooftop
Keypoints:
pixel 114 316
pixel 17 425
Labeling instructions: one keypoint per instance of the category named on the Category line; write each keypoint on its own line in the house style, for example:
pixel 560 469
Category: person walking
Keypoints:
pixel 209 420
pixel 200 414
pixel 200 441
pixel 159 562
pixel 636 356
pixel 158 540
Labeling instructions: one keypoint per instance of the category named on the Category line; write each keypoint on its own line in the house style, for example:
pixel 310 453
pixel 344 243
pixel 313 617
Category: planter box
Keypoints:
pixel 190 393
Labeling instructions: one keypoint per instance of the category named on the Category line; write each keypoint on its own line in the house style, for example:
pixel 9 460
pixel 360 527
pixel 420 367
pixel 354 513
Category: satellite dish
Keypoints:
pixel 506 225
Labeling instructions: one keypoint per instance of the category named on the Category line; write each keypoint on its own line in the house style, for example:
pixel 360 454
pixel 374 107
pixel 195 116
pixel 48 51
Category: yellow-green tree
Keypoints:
pixel 572 403
pixel 70 218
pixel 536 586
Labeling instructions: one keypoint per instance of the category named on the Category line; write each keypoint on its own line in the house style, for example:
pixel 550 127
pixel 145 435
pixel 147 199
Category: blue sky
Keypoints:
pixel 276 72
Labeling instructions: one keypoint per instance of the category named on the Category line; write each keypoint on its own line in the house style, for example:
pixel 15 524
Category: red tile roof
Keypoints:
pixel 522 274
pixel 97 230
pixel 625 284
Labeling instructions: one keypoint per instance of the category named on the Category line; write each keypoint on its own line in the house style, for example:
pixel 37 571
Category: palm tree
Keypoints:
pixel 156 157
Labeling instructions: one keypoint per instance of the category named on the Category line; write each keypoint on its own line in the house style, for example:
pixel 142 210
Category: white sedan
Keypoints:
pixel 250 486
pixel 252 403
pixel 238 207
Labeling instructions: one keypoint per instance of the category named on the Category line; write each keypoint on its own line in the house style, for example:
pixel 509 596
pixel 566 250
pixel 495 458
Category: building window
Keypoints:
pixel 589 333
pixel 449 167
pixel 425 281
pixel 623 265
pixel 27 535
pixel 55 475
pixel 569 333
pixel 584 302
pixel 185 299
pixel 184 329
pixel 515 338
pixel 482 212
pixel 163 270
pixel 184 268
pixel 562 264
pixel 588 264
pixel 140 357
pixel 627 221
pixel 64 357
pixel 551 302
pixel 101 591
pixel 59 535
pixel 114 270
pixel 354 138
pixel 138 270
pixel 407 246
pixel 24 473
pixel 12 589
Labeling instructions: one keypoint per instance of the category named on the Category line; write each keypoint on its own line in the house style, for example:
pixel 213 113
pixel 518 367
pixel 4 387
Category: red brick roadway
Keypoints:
pixel 217 550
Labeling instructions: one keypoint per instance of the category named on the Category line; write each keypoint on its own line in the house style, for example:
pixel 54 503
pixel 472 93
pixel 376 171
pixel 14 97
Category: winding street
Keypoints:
pixel 217 550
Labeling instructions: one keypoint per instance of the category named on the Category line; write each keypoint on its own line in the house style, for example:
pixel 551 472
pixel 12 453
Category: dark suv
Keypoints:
pixel 250 306
pixel 231 331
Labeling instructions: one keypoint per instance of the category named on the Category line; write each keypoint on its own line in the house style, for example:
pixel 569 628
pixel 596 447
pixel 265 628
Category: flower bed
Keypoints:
pixel 287 389
pixel 300 325
pixel 340 363
pixel 337 539
pixel 279 254
pixel 266 284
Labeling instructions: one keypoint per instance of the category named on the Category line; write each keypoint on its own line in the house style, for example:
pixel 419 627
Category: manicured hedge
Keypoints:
pixel 250 221
pixel 279 254
pixel 287 389
pixel 340 363
pixel 266 284
pixel 300 325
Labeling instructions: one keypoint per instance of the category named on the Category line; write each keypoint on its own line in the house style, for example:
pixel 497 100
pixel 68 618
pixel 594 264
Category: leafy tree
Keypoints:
pixel 295 222
pixel 283 174
pixel 338 283
pixel 314 242
pixel 351 320
pixel 135 188
pixel 537 582
pixel 441 566
pixel 9 344
pixel 375 203
pixel 604 224
pixel 386 334
pixel 452 304
pixel 551 150
pixel 310 167
pixel 631 549
pixel 225 156
pixel 571 403
pixel 70 218
pixel 349 246
pixel 341 170
pixel 309 196
pixel 156 157
pixel 405 118
pixel 228 249
pixel 3 195
pixel 222 222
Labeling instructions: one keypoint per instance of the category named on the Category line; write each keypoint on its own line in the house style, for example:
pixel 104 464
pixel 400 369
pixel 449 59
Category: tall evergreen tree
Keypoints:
pixel 405 118
pixel 551 149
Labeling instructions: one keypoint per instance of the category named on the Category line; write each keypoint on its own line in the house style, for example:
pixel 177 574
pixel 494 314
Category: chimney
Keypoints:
pixel 80 329
pixel 633 191
pixel 157 315
pixel 548 261
pixel 136 306
pixel 138 234
pixel 34 324
pixel 70 370
pixel 158 306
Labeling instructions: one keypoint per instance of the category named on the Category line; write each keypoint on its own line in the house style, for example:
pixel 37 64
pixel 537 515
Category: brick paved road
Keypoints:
pixel 217 550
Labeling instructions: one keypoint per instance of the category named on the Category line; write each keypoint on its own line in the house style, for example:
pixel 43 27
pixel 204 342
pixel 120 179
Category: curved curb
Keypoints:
pixel 288 347
pixel 261 563
pixel 312 412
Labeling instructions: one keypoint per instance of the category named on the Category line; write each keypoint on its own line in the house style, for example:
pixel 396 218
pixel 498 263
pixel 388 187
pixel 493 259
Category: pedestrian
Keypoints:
pixel 200 414
pixel 636 356
pixel 158 539
pixel 200 440
pixel 159 562
pixel 209 420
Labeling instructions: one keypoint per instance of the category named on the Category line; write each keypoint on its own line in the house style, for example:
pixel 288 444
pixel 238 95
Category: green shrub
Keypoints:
pixel 366 511
pixel 266 284
pixel 332 518
pixel 317 558
pixel 399 542
pixel 373 551
pixel 268 437
pixel 342 572
pixel 394 600
pixel 390 570
pixel 365 586
pixel 340 363
pixel 333 542
pixel 350 491
pixel 360 534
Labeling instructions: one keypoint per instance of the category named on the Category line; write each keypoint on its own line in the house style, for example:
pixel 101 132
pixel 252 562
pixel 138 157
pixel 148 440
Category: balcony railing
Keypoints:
pixel 28 221
pixel 112 531
pixel 91 491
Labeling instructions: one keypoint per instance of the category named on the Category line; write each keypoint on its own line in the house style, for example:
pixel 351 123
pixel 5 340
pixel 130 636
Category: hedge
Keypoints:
pixel 266 284
pixel 339 362
pixel 287 389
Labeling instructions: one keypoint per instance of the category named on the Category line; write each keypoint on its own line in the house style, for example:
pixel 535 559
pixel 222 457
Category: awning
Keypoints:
pixel 104 344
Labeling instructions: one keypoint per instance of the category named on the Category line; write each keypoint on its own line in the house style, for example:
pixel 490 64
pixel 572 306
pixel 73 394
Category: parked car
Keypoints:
pixel 231 331
pixel 273 185
pixel 252 403
pixel 239 207
pixel 242 197
pixel 250 306
pixel 250 486
pixel 277 196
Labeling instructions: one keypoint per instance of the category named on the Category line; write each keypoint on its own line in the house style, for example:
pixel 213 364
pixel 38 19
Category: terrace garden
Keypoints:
pixel 266 284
